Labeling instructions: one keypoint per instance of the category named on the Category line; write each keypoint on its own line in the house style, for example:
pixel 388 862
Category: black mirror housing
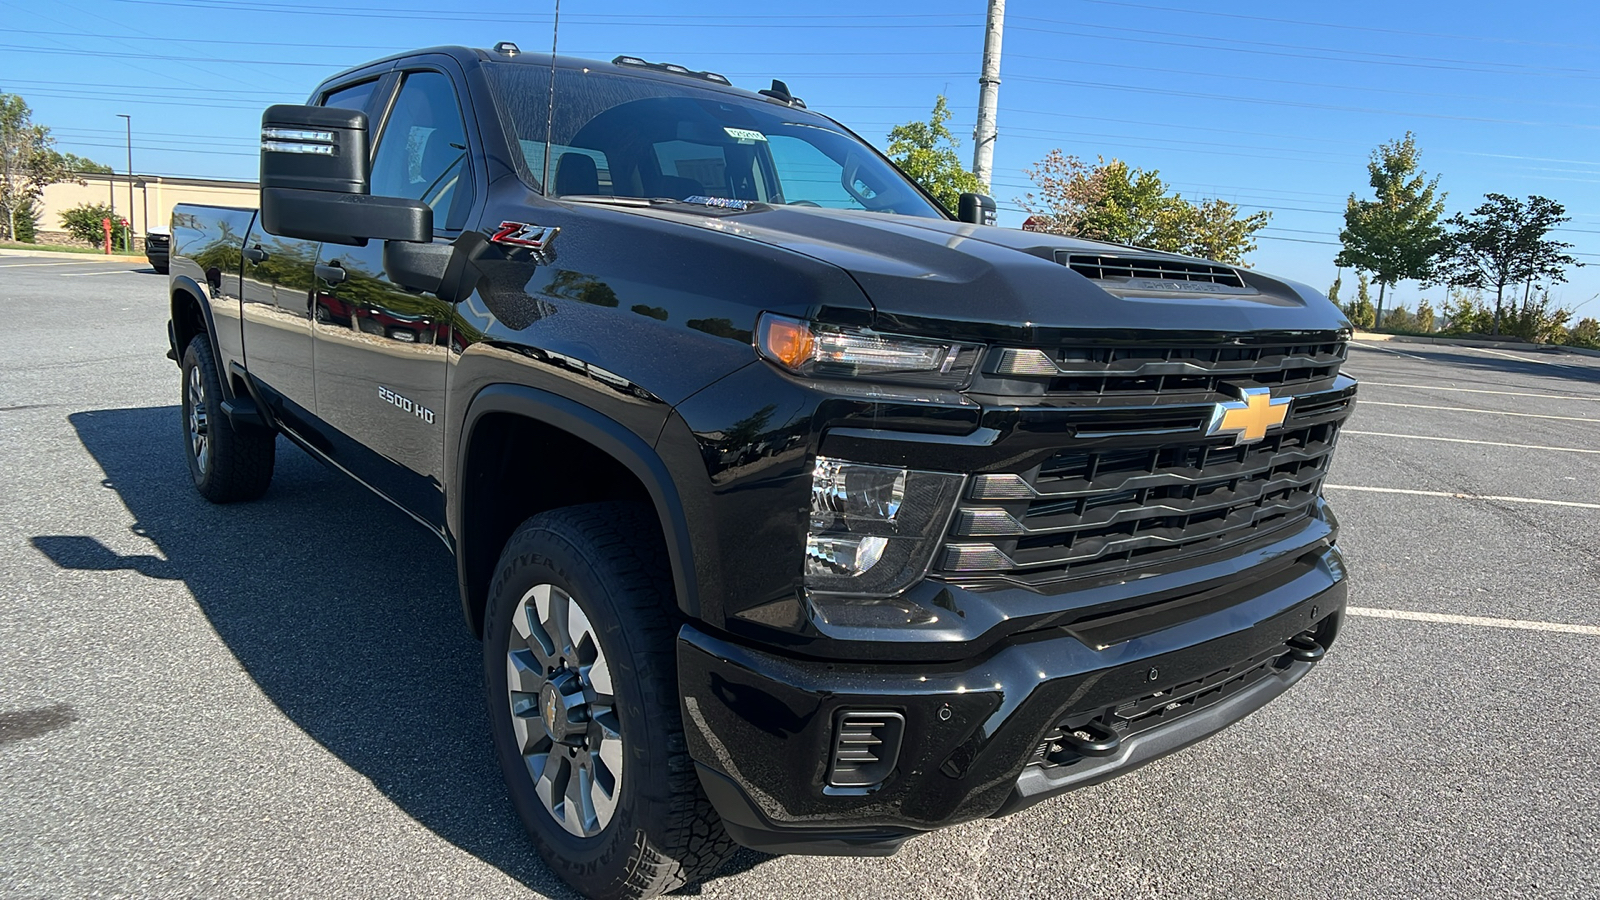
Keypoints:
pixel 979 209
pixel 316 177
pixel 417 267
pixel 351 219
pixel 315 148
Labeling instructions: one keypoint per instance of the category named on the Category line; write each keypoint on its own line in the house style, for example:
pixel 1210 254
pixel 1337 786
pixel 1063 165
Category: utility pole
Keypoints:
pixel 127 237
pixel 988 94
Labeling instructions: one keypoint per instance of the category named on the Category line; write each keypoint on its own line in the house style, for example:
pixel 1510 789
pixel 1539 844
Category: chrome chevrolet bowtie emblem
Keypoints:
pixel 1250 417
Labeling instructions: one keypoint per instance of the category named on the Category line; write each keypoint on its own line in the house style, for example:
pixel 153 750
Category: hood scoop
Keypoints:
pixel 1155 273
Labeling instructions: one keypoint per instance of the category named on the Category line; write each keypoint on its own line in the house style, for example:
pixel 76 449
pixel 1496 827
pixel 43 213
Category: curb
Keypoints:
pixel 86 257
pixel 1465 342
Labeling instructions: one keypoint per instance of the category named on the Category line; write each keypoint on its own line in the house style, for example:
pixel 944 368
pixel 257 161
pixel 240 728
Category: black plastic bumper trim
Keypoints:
pixel 1041 783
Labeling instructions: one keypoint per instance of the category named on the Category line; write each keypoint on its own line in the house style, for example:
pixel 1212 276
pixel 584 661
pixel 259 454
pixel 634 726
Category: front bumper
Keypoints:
pixel 760 726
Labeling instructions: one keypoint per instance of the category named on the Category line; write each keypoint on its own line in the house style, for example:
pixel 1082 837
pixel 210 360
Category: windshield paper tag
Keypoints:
pixel 718 202
pixel 745 135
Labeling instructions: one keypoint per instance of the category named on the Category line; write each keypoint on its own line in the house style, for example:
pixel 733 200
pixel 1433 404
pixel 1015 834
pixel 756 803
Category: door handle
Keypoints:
pixel 255 254
pixel 332 273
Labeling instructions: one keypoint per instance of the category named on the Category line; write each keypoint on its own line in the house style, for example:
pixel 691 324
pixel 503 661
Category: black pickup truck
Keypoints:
pixel 792 510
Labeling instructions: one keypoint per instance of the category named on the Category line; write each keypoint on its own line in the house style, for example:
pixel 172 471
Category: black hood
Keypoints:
pixel 933 276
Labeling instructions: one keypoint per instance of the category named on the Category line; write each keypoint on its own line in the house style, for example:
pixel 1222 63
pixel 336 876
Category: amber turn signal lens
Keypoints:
pixel 787 341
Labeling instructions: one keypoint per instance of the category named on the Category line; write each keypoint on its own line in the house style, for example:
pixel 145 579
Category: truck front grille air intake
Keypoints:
pixel 1135 479
pixel 866 746
pixel 1104 268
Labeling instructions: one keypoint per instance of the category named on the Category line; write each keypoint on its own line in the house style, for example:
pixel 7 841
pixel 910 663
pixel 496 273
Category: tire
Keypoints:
pixel 227 463
pixel 654 831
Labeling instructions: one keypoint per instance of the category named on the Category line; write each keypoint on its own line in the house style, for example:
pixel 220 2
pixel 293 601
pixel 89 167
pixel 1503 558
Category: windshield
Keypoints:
pixel 618 136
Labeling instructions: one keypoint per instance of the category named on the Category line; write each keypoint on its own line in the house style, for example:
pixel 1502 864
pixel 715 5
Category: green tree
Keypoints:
pixel 1112 201
pixel 79 165
pixel 1424 316
pixel 1505 241
pixel 27 164
pixel 1585 334
pixel 1333 289
pixel 25 222
pixel 86 223
pixel 1360 310
pixel 926 151
pixel 1397 235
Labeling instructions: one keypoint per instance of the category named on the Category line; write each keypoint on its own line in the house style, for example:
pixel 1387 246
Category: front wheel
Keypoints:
pixel 227 463
pixel 582 687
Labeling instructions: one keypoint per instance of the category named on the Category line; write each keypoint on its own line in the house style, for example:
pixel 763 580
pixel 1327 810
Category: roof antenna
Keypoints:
pixel 550 108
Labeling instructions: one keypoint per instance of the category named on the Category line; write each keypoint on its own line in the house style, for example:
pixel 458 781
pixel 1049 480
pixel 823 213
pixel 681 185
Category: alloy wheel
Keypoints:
pixel 199 420
pixel 563 710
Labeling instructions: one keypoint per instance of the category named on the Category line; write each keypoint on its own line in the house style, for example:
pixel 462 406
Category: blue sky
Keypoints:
pixel 1272 106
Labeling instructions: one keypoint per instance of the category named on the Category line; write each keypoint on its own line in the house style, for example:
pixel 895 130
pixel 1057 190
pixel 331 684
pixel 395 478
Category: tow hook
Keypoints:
pixel 1304 647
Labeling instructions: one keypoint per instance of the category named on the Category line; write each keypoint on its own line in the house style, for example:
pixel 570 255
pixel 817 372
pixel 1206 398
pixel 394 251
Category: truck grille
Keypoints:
pixel 1138 483
pixel 1167 370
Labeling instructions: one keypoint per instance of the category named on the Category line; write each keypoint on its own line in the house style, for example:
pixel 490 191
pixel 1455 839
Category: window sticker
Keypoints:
pixel 745 135
pixel 718 202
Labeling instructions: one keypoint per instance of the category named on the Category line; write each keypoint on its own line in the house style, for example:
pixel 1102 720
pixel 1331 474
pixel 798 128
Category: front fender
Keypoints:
pixel 627 438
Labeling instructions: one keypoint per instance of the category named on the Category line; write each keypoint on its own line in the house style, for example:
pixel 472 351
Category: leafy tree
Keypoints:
pixel 1400 319
pixel 79 165
pixel 1397 235
pixel 1504 241
pixel 1360 310
pixel 1424 316
pixel 1333 289
pixel 27 164
pixel 25 224
pixel 1585 334
pixel 1465 313
pixel 1112 201
pixel 84 222
pixel 926 151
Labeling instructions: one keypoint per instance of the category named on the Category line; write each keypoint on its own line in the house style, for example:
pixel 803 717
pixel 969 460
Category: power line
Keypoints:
pixel 1301 22
pixel 1341 56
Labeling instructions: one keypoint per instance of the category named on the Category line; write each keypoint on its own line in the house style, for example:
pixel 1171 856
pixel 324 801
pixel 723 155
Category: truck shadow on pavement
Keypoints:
pixel 343 611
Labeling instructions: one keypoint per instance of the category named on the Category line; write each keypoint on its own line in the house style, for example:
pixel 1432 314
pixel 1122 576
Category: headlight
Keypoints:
pixel 874 528
pixel 832 351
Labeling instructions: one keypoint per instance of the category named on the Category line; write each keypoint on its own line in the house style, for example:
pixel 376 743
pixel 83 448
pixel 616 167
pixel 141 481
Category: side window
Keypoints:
pixel 422 153
pixel 356 96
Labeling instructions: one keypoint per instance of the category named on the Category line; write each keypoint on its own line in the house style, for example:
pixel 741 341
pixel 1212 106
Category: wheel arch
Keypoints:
pixel 191 315
pixel 579 432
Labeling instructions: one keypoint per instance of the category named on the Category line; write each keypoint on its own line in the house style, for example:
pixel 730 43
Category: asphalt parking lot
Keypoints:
pixel 279 699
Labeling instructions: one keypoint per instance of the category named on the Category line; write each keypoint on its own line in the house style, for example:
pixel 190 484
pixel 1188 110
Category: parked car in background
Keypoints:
pixel 158 247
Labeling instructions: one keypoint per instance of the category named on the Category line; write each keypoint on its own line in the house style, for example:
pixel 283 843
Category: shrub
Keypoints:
pixel 84 223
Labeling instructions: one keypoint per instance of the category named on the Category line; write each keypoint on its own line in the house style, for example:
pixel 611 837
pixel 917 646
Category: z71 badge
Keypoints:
pixel 521 234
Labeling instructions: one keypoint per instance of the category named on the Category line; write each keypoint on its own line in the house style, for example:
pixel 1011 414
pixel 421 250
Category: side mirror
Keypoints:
pixel 315 181
pixel 417 267
pixel 978 209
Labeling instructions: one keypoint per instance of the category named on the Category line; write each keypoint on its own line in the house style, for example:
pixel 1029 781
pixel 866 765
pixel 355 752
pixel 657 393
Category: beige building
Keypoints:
pixel 153 197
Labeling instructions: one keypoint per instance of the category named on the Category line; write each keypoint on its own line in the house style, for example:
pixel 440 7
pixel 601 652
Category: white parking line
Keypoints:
pixel 1539 362
pixel 1481 621
pixel 1487 412
pixel 1435 387
pixel 1420 437
pixel 1460 496
pixel 107 272
pixel 1385 350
